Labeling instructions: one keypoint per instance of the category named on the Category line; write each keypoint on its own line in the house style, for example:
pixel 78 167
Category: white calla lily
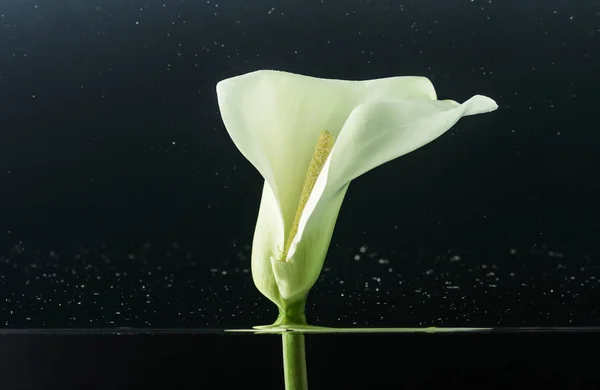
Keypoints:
pixel 309 137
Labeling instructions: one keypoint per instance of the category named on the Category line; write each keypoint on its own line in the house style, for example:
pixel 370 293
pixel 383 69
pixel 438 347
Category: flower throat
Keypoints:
pixel 322 151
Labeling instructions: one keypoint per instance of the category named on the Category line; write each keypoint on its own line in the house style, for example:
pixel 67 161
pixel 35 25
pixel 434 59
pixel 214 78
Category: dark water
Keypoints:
pixel 124 203
pixel 218 360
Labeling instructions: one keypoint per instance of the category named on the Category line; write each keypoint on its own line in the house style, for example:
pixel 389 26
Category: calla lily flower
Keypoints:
pixel 309 138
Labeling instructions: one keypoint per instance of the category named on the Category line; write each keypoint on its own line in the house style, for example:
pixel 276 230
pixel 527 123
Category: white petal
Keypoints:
pixel 289 281
pixel 275 118
pixel 296 277
pixel 268 236
pixel 378 132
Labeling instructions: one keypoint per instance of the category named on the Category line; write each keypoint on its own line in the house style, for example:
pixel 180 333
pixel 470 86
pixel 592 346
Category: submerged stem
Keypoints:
pixel 294 361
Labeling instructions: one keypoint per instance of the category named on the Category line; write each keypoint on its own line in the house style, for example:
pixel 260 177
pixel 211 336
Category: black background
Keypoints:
pixel 123 202
pixel 111 132
pixel 120 187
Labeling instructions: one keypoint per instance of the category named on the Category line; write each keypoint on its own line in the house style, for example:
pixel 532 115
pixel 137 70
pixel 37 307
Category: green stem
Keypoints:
pixel 292 314
pixel 294 361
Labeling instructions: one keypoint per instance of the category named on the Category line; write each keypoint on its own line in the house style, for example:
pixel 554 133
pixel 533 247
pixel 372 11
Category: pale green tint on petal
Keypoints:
pixel 378 132
pixel 288 282
pixel 267 242
pixel 297 276
pixel 275 118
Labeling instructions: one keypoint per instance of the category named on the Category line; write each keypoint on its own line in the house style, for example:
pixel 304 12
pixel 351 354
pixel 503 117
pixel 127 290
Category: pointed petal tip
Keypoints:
pixel 479 104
